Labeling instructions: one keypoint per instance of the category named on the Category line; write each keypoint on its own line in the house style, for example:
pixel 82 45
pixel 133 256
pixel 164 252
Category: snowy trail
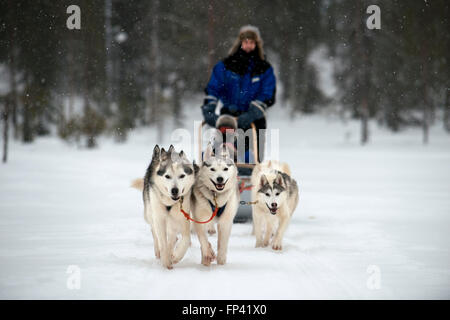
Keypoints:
pixel 386 204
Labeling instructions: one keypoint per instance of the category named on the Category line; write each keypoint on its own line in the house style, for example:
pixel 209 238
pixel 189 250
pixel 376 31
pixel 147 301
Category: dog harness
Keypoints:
pixel 188 217
pixel 220 210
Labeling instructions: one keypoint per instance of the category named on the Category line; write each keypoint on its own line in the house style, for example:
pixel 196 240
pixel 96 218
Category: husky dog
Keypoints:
pixel 216 187
pixel 167 187
pixel 276 197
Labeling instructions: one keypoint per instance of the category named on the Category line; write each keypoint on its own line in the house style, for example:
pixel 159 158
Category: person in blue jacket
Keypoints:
pixel 244 82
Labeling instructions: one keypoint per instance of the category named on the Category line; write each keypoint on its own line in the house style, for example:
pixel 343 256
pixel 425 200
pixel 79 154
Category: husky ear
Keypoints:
pixel 183 155
pixel 208 152
pixel 180 157
pixel 171 149
pixel 279 179
pixel 164 154
pixel 156 153
pixel 263 181
pixel 196 167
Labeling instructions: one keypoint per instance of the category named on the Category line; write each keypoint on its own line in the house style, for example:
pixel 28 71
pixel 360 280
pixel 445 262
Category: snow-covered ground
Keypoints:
pixel 372 222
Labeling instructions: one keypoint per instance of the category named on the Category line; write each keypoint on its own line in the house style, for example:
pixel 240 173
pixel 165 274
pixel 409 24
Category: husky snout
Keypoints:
pixel 219 184
pixel 273 207
pixel 174 192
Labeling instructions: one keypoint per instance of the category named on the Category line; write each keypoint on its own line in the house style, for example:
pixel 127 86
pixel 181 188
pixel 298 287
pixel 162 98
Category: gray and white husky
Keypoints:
pixel 216 187
pixel 166 187
pixel 276 197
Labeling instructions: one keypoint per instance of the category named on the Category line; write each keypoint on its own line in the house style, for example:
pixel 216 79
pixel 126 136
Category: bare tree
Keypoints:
pixel 5 129
pixel 108 50
pixel 156 110
pixel 10 102
pixel 211 22
pixel 363 72
pixel 447 110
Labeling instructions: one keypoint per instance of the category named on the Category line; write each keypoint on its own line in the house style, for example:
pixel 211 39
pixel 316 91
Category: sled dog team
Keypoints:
pixel 176 191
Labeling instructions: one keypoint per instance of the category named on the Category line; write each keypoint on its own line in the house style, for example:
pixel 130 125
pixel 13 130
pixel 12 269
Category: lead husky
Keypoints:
pixel 167 185
pixel 276 197
pixel 216 186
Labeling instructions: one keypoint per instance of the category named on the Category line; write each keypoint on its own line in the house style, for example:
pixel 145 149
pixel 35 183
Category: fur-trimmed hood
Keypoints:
pixel 249 32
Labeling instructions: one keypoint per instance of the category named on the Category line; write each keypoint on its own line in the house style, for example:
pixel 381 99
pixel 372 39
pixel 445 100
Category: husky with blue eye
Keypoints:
pixel 275 197
pixel 166 190
pixel 215 190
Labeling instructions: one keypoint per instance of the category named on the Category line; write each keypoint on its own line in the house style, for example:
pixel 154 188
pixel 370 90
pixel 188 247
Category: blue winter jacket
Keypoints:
pixel 241 79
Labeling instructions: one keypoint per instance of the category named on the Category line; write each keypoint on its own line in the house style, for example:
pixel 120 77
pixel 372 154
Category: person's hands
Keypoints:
pixel 233 108
pixel 253 113
pixel 230 109
pixel 209 113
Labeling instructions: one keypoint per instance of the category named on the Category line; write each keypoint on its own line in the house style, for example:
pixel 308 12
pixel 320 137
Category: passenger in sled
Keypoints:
pixel 245 84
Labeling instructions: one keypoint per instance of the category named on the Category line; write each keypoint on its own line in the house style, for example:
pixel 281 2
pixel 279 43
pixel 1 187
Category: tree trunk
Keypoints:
pixel 295 72
pixel 13 93
pixel 284 68
pixel 365 108
pixel 156 109
pixel 154 64
pixel 426 107
pixel 176 105
pixel 27 131
pixel 10 104
pixel 447 110
pixel 426 111
pixel 12 69
pixel 86 122
pixel 108 51
pixel 363 72
pixel 364 121
pixel 5 129
pixel 211 49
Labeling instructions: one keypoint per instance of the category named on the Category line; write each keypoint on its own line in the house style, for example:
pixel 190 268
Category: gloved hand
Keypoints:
pixel 253 113
pixel 230 109
pixel 209 113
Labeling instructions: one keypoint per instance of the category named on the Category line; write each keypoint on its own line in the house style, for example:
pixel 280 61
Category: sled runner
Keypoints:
pixel 245 155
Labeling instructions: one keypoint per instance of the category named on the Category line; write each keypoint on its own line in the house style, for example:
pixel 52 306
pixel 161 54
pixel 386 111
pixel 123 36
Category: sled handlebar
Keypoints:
pixel 240 165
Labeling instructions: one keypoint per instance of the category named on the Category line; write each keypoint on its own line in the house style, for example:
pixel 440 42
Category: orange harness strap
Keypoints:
pixel 243 187
pixel 188 217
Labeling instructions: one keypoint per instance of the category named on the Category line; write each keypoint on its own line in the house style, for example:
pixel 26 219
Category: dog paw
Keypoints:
pixel 207 260
pixel 265 243
pixel 167 263
pixel 277 245
pixel 221 260
pixel 157 254
pixel 209 257
pixel 259 244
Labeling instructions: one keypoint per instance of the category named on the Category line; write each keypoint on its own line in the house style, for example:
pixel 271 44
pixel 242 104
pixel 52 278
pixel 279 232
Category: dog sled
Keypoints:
pixel 226 132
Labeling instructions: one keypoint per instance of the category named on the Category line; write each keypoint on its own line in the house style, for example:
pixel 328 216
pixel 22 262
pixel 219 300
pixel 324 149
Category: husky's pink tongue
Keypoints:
pixel 220 186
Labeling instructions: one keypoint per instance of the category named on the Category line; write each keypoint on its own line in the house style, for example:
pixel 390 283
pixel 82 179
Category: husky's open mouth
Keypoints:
pixel 175 198
pixel 272 210
pixel 219 186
